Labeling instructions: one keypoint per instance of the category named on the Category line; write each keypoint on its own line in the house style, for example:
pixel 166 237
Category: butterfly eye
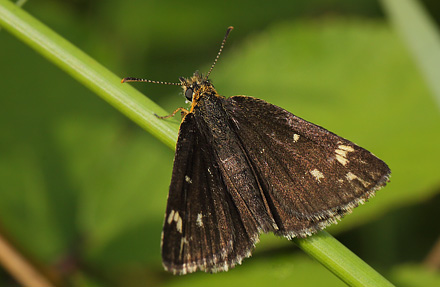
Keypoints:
pixel 189 94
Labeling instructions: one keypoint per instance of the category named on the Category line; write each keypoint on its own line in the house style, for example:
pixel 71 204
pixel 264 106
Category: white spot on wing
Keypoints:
pixel 179 225
pixel 317 174
pixel 199 220
pixel 188 179
pixel 341 153
pixel 170 217
pixel 176 216
pixel 346 148
pixel 341 159
pixel 295 137
pixel 350 176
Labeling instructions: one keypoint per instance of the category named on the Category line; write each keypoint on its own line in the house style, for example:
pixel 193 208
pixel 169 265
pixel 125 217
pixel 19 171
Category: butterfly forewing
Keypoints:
pixel 309 175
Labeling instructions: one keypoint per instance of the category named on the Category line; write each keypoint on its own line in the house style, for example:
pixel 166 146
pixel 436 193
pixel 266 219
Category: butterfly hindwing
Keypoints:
pixel 310 176
pixel 203 228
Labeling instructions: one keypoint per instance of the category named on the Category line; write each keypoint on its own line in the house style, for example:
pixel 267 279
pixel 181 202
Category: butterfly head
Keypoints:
pixel 194 86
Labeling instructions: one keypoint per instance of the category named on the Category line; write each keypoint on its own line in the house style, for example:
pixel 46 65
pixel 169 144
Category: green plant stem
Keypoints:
pixel 421 36
pixel 340 260
pixel 323 247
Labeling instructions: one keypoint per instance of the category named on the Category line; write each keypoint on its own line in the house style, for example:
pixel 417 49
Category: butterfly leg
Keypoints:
pixel 184 112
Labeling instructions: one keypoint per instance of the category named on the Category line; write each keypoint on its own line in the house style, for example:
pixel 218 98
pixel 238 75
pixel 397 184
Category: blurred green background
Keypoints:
pixel 83 189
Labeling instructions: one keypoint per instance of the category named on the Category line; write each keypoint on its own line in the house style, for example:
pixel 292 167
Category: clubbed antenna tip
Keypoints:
pixel 220 50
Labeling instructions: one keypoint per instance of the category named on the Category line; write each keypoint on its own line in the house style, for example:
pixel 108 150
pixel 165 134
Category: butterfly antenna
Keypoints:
pixel 220 51
pixel 130 79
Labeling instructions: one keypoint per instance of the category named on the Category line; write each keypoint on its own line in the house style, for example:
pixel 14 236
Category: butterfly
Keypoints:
pixel 243 167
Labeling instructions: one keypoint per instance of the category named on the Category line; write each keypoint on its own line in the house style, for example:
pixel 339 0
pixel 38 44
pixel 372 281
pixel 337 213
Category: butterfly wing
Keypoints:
pixel 243 166
pixel 310 177
pixel 203 229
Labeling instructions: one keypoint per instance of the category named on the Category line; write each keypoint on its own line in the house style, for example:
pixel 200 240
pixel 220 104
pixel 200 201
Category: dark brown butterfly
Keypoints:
pixel 244 166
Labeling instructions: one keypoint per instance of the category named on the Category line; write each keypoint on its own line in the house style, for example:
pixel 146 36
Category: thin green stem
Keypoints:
pixel 340 260
pixel 140 109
